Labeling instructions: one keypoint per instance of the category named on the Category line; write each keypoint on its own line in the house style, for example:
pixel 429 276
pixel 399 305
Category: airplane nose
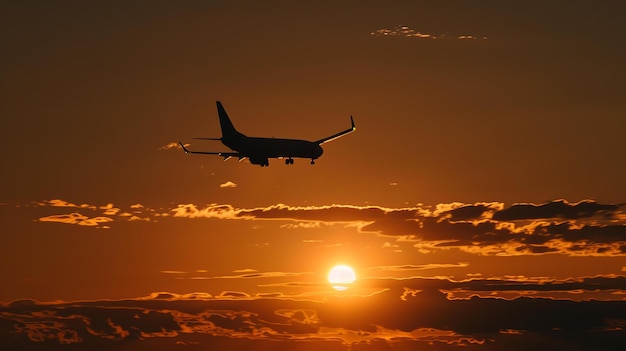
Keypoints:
pixel 318 151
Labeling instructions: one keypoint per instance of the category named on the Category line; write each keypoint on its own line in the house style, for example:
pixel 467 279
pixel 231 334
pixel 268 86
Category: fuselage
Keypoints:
pixel 255 147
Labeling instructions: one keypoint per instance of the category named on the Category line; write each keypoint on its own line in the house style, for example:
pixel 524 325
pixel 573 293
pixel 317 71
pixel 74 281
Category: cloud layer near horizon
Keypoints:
pixel 404 314
pixel 584 228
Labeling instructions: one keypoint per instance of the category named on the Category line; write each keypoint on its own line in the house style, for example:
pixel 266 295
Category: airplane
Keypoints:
pixel 260 150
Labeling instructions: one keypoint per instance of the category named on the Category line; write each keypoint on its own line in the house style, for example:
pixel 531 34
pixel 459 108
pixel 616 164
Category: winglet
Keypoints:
pixel 184 148
pixel 352 121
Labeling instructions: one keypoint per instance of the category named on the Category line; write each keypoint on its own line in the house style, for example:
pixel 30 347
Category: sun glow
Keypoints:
pixel 341 276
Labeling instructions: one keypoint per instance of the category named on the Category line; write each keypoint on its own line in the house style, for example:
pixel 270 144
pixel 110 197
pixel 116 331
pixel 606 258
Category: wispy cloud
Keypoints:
pixel 245 270
pixel 228 184
pixel 403 31
pixel 77 218
pixel 406 32
pixel 95 215
pixel 209 211
pixel 171 145
pixel 243 274
pixel 63 203
pixel 403 268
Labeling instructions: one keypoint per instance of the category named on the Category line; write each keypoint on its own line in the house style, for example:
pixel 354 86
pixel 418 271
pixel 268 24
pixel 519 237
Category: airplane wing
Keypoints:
pixel 340 134
pixel 225 155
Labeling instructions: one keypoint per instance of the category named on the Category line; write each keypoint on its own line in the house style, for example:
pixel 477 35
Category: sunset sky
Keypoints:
pixel 481 201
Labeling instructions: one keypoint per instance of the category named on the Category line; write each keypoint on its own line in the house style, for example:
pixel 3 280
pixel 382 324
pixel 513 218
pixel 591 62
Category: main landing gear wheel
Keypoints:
pixel 289 161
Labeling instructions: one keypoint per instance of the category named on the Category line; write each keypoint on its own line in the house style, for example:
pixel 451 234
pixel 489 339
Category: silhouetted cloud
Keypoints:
pixel 607 288
pixel 584 228
pixel 407 314
pixel 559 209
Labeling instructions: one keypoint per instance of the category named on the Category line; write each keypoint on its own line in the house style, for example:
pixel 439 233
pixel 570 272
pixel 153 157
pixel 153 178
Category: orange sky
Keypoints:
pixel 484 185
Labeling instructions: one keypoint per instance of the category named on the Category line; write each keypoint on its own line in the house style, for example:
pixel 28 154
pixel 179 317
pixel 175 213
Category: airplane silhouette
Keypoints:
pixel 260 150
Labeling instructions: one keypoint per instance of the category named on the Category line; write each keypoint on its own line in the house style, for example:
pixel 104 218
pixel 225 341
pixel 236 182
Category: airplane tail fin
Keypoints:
pixel 228 130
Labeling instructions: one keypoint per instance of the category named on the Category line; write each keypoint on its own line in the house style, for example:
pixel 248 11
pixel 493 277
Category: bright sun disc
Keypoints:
pixel 341 276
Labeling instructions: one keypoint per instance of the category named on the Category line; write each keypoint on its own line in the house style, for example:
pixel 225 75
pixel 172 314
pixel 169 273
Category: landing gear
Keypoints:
pixel 312 162
pixel 289 161
pixel 261 161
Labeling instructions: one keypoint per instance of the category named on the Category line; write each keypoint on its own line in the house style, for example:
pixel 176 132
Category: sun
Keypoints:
pixel 341 276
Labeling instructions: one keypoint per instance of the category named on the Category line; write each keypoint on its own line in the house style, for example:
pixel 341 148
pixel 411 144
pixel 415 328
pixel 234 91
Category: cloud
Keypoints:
pixel 402 31
pixel 409 267
pixel 63 203
pixel 171 145
pixel 330 213
pixel 174 296
pixel 245 270
pixel 261 275
pixel 109 210
pixel 228 184
pixel 560 209
pixel 598 288
pixel 409 314
pixel 94 215
pixel 137 218
pixel 76 218
pixel 584 228
pixel 305 225
pixel 234 294
pixel 209 211
pixel 406 32
pixel 243 274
